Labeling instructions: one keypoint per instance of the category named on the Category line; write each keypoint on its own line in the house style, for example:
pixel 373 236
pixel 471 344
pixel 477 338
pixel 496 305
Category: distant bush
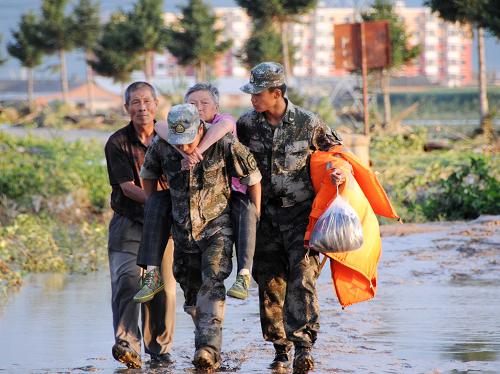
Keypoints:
pixel 468 192
pixel 53 199
pixel 434 185
pixel 399 142
pixel 43 244
pixel 34 167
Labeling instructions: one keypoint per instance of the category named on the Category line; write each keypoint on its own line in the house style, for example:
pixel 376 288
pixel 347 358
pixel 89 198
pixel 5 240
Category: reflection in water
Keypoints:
pixel 424 319
pixel 54 282
pixel 470 351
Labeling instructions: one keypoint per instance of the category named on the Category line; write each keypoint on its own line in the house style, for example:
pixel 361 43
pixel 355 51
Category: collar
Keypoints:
pixel 132 135
pixel 288 117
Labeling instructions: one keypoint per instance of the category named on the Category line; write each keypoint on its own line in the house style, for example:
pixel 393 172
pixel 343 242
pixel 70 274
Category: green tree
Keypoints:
pixel 194 40
pixel 264 44
pixel 24 48
pixel 87 27
pixel 57 36
pixel 492 15
pixel 150 34
pixel 114 54
pixel 474 13
pixel 401 53
pixel 281 12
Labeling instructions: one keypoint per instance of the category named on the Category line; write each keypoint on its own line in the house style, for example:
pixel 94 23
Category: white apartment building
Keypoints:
pixel 446 56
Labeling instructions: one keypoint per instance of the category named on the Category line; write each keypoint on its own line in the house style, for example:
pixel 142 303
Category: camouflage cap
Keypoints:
pixel 264 75
pixel 183 123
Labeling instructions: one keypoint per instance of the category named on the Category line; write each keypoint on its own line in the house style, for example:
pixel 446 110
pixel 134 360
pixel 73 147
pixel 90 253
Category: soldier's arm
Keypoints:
pixel 242 128
pixel 151 168
pixel 241 162
pixel 323 137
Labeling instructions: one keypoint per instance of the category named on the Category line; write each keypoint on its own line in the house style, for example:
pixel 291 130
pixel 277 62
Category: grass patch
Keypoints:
pixel 53 207
pixel 419 183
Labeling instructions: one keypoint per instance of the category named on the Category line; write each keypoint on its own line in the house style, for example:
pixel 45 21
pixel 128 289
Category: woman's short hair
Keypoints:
pixel 214 92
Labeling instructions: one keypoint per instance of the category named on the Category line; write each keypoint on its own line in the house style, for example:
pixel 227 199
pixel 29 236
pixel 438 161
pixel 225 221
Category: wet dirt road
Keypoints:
pixel 437 311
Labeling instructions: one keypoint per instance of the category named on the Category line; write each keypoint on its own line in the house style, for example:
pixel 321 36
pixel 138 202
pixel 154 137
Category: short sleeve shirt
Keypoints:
pixel 124 158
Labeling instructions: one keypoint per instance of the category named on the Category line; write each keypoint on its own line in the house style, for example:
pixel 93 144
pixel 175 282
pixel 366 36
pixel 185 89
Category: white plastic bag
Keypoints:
pixel 338 229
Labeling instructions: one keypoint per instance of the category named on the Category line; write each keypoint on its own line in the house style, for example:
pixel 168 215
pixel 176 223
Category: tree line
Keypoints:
pixel 128 40
pixel 481 15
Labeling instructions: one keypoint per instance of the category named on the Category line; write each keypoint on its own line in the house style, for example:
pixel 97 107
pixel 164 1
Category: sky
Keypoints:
pixel 11 11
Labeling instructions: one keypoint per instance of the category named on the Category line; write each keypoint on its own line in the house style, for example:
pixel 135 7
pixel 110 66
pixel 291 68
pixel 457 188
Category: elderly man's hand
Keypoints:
pixel 338 176
pixel 191 160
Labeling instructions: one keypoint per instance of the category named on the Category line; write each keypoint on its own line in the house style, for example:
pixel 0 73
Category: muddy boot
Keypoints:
pixel 205 360
pixel 303 361
pixel 281 360
pixel 123 353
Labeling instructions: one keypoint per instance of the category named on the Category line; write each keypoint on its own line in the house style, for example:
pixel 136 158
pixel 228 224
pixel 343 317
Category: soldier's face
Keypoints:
pixel 142 106
pixel 189 148
pixel 205 104
pixel 265 100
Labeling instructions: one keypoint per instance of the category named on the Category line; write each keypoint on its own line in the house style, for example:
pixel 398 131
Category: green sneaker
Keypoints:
pixel 151 285
pixel 239 289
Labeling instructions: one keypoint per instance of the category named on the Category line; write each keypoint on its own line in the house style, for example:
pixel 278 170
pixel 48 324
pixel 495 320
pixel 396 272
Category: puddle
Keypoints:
pixel 437 311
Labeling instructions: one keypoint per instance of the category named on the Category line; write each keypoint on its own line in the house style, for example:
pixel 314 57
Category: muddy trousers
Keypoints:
pixel 286 275
pixel 200 268
pixel 158 315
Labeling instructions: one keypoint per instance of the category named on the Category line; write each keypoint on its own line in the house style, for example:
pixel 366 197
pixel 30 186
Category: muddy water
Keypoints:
pixel 437 311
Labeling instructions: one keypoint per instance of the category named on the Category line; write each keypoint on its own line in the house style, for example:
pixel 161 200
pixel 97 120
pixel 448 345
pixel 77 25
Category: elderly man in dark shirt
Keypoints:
pixel 125 152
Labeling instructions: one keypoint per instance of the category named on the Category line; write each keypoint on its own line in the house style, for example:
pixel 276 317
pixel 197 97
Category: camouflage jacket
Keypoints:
pixel 201 194
pixel 282 152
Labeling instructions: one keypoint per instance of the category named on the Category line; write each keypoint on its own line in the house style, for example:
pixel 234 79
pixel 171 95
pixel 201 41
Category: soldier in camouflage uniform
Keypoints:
pixel 282 136
pixel 201 219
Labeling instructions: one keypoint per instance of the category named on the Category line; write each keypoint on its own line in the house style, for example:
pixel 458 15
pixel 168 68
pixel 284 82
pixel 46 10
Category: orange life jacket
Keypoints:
pixel 354 273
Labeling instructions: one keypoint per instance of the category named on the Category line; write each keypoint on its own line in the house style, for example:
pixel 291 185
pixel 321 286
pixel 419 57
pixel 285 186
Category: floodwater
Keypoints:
pixel 437 311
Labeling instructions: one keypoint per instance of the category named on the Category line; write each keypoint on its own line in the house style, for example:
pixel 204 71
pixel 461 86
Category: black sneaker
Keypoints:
pixel 158 360
pixel 123 353
pixel 303 361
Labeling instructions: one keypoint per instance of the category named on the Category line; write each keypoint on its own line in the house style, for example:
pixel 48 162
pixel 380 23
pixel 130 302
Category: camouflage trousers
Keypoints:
pixel 286 274
pixel 200 268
